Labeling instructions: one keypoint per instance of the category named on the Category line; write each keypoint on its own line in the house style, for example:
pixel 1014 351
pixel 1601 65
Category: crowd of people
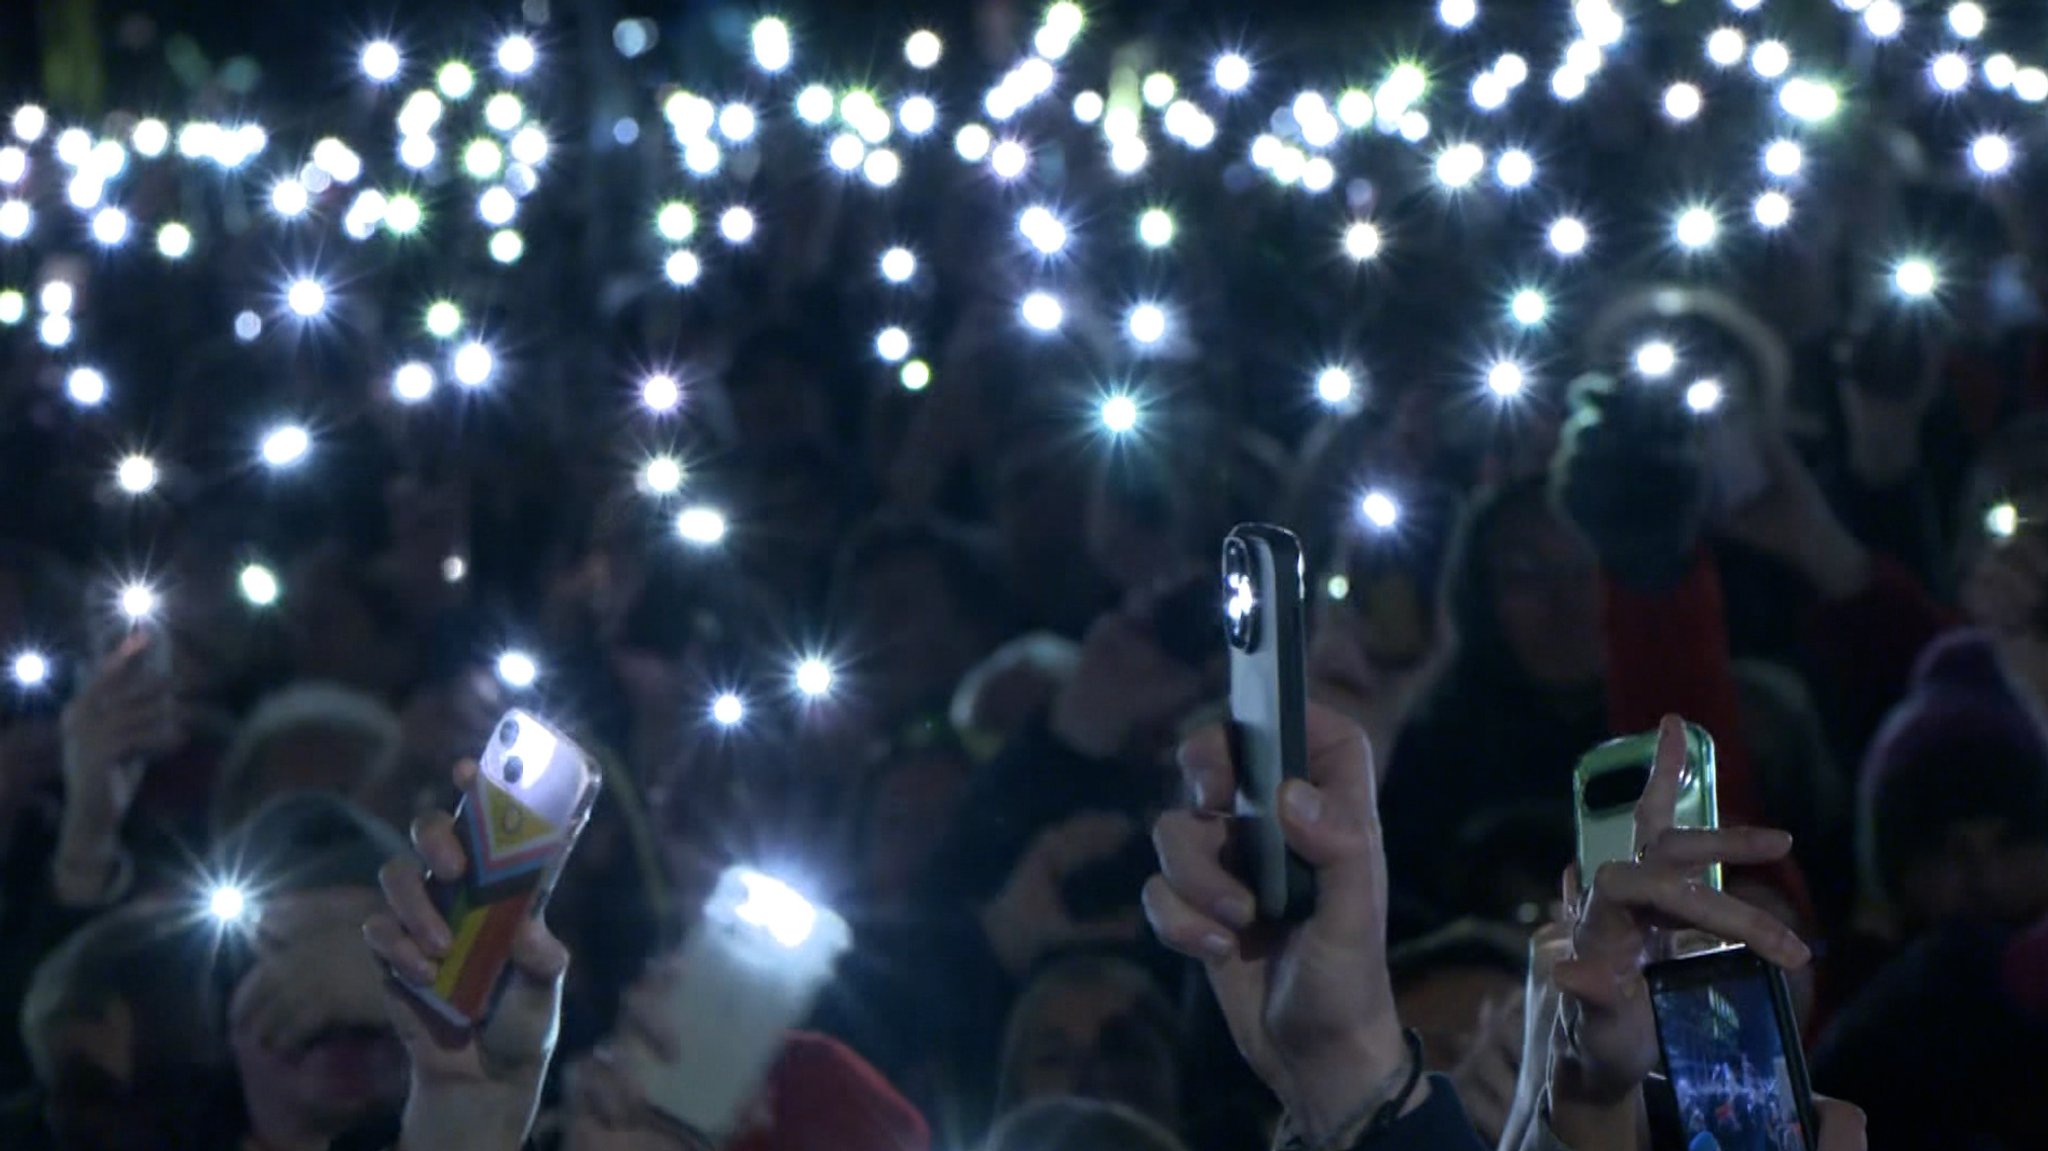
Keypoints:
pixel 1000 762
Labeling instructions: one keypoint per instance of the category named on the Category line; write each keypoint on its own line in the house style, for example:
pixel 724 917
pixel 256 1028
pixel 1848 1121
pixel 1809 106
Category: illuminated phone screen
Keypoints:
pixel 1728 1066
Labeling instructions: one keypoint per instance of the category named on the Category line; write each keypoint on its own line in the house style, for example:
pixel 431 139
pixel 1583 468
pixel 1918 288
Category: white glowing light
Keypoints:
pixel 1726 46
pixel 1991 154
pixel 1772 210
pixel 381 60
pixel 13 165
pixel 174 241
pixel 1044 230
pixel 1656 358
pixel 1682 102
pixel 1088 107
pixel 443 319
pixel 1528 307
pixel 474 364
pixel 814 104
pixel 892 344
pixel 1915 278
pixel 846 152
pixel 1505 379
pixel 258 585
pixel 1457 14
pixel 898 265
pixel 135 474
pixel 517 55
pixel 85 387
pixel 57 296
pixel 338 160
pixel 1379 509
pixel 55 331
pixel 881 168
pixel 1488 91
pixel 2030 85
pixel 728 710
pixel 1146 324
pixel 417 152
pixel 306 297
pixel 736 224
pixel 736 122
pixel 1157 90
pixel 1966 20
pixel 403 215
pixel 137 601
pixel 13 307
pixel 248 326
pixel 73 146
pixel 683 268
pixel 30 669
pixel 916 376
pixel 1949 71
pixel 701 525
pixel 1696 228
pixel 1009 159
pixel 917 115
pixel 1568 237
pixel 517 670
pixel 1770 59
pixel 923 48
pixel 1231 72
pixel 227 903
pixel 412 383
pixel 1355 109
pixel 529 146
pixel 1883 19
pixel 1361 241
pixel 660 393
pixel 110 226
pixel 503 112
pixel 1567 84
pixel 1783 158
pixel 483 159
pixel 1808 100
pixel 1042 310
pixel 972 142
pixel 1155 228
pixel 2001 520
pixel 286 445
pixel 1703 396
pixel 1119 413
pixel 1129 154
pixel 662 475
pixel 1335 387
pixel 771 44
pixel 814 677
pixel 455 80
pixel 1459 164
pixel 29 123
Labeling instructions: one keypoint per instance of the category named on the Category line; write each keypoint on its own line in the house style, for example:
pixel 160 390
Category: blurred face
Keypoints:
pixel 910 815
pixel 1546 596
pixel 1983 871
pixel 1089 1041
pixel 910 614
pixel 1443 1007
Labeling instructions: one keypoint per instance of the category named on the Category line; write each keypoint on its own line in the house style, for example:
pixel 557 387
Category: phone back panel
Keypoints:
pixel 1607 784
pixel 517 821
pixel 1268 706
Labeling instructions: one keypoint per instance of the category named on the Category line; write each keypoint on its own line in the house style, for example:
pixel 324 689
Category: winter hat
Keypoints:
pixel 823 1097
pixel 1963 744
pixel 305 841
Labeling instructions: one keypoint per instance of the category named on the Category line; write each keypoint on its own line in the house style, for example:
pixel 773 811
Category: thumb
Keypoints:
pixel 521 1030
pixel 1331 821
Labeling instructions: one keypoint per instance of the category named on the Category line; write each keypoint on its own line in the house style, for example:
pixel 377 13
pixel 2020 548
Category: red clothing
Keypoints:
pixel 823 1097
pixel 1866 644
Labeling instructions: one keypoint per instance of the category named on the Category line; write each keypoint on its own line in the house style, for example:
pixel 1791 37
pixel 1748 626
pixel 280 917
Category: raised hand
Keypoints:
pixel 125 713
pixel 471 1087
pixel 1123 686
pixel 1029 918
pixel 1309 1004
pixel 1627 920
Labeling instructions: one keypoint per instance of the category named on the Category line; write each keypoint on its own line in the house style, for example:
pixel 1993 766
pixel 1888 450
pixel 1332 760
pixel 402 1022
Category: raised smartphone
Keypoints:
pixel 1391 577
pixel 1262 598
pixel 750 971
pixel 1731 1050
pixel 518 821
pixel 1610 779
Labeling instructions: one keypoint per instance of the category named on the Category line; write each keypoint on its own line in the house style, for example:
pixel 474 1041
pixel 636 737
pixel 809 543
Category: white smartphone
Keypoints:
pixel 751 970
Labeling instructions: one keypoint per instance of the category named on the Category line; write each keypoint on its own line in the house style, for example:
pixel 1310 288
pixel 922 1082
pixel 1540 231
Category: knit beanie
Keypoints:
pixel 823 1097
pixel 1963 744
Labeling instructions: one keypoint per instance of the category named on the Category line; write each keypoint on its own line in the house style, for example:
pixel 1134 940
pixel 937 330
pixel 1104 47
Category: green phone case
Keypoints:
pixel 1607 833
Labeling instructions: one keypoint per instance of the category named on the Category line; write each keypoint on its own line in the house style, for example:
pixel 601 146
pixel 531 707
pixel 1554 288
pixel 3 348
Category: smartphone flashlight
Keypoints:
pixel 1380 510
pixel 227 903
pixel 2002 520
pixel 138 602
pixel 517 670
pixel 30 669
pixel 258 585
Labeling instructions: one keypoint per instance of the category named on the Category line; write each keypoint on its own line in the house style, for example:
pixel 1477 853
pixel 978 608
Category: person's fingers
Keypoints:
pixel 1842 1125
pixel 1182 928
pixel 1658 806
pixel 1191 851
pixel 1081 840
pixel 1620 889
pixel 405 893
pixel 1696 848
pixel 390 942
pixel 645 1013
pixel 1597 985
pixel 537 954
pixel 434 837
pixel 1206 765
pixel 1331 821
pixel 521 1029
pixel 601 1089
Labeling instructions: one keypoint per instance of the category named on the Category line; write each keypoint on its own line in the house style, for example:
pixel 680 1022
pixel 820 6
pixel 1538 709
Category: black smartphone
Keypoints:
pixel 1262 612
pixel 1731 1051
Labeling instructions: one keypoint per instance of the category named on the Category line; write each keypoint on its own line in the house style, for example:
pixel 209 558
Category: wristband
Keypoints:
pixel 1376 1115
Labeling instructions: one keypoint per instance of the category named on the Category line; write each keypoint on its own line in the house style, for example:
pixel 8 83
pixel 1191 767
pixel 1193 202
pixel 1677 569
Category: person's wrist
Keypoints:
pixel 1343 1086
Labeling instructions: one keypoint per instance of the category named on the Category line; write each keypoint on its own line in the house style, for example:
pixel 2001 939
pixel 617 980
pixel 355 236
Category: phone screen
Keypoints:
pixel 1725 1054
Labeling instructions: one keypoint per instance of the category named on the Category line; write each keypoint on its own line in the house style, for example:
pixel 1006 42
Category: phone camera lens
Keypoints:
pixel 515 769
pixel 508 733
pixel 1240 596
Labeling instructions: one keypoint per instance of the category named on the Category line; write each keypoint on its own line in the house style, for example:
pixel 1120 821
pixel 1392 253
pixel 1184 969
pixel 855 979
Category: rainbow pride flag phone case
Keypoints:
pixel 520 817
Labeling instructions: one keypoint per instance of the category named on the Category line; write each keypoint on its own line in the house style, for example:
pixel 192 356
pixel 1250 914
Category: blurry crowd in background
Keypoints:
pixel 933 659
